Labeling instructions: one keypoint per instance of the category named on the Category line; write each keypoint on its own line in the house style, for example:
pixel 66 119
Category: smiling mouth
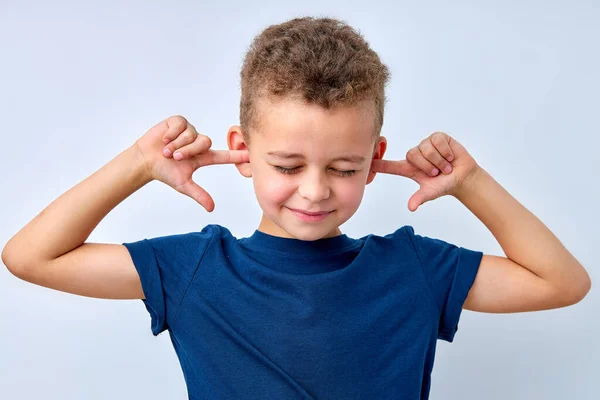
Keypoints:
pixel 311 213
pixel 310 217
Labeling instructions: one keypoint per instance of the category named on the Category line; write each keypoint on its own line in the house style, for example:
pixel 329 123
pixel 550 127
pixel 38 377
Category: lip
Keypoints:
pixel 312 216
pixel 313 213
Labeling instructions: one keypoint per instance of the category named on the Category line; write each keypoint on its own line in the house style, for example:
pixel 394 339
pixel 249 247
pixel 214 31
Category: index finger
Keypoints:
pixel 402 168
pixel 225 157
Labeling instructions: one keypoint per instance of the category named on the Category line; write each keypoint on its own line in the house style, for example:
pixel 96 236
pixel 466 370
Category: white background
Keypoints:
pixel 516 82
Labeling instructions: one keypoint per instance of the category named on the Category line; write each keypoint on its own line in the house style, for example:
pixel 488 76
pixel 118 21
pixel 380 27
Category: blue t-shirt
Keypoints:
pixel 266 317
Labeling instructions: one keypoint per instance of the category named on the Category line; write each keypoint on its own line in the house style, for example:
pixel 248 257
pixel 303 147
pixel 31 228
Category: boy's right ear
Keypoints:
pixel 235 141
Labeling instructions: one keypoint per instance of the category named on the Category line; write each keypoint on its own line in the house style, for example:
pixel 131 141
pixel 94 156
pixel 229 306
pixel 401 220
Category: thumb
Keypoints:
pixel 420 197
pixel 193 190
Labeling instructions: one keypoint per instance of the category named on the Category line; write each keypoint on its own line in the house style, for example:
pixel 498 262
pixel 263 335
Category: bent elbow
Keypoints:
pixel 580 291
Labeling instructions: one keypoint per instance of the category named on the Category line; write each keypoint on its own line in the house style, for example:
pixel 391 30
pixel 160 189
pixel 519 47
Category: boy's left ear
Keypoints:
pixel 378 153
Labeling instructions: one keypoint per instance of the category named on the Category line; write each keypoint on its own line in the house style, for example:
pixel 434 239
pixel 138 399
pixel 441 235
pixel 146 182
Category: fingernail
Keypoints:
pixel 435 171
pixel 166 152
pixel 447 169
pixel 177 155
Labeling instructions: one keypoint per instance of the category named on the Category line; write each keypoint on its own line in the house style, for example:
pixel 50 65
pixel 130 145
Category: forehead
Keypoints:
pixel 294 126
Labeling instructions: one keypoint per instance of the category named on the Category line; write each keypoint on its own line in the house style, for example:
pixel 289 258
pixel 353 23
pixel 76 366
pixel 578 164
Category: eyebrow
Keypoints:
pixel 353 158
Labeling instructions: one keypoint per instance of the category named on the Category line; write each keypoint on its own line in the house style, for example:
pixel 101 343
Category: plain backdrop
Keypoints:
pixel 515 82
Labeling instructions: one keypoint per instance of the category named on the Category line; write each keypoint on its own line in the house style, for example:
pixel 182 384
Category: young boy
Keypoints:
pixel 299 310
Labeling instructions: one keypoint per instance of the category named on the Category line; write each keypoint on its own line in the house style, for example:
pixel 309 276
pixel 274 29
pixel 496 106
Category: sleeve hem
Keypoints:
pixel 466 271
pixel 142 253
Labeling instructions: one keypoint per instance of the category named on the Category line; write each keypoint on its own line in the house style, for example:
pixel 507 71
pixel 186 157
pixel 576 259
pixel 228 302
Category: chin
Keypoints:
pixel 309 236
pixel 311 233
pixel 282 222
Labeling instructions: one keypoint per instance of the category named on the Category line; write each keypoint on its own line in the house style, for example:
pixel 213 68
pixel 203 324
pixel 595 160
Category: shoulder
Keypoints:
pixel 419 242
pixel 403 236
pixel 406 240
pixel 182 243
pixel 207 232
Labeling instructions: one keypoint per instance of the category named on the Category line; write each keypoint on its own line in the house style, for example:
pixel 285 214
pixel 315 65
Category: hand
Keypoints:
pixel 423 165
pixel 181 138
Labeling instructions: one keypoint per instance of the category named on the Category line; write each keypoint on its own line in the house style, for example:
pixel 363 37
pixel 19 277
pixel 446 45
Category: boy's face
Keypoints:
pixel 305 159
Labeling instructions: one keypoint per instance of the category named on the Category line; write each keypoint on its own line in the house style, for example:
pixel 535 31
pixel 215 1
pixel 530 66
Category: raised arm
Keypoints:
pixel 51 251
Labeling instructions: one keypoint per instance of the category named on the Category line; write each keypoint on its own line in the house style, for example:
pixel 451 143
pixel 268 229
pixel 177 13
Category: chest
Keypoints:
pixel 325 336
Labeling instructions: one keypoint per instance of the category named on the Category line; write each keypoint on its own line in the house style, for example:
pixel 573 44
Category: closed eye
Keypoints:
pixel 344 173
pixel 284 170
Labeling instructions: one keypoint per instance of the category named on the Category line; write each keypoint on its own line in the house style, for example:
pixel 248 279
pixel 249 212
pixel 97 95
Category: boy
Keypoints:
pixel 299 310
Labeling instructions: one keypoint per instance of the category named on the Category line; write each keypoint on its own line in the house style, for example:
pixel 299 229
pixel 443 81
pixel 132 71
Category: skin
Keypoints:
pixel 315 179
pixel 538 272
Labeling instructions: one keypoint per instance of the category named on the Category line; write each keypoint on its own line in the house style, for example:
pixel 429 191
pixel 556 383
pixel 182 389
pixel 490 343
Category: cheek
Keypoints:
pixel 271 187
pixel 350 193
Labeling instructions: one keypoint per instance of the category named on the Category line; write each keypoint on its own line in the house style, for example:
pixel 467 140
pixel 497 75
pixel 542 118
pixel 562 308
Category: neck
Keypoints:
pixel 271 228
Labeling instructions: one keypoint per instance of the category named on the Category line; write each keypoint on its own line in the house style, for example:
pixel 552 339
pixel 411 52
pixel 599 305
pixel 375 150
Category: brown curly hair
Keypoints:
pixel 321 60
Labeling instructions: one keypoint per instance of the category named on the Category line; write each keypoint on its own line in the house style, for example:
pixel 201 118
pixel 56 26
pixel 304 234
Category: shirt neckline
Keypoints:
pixel 305 248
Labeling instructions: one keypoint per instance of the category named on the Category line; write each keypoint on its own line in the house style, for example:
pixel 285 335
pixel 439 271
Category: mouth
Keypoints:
pixel 310 216
pixel 311 213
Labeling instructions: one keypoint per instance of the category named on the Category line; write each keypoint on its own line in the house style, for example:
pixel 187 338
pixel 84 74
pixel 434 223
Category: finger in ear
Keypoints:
pixel 236 141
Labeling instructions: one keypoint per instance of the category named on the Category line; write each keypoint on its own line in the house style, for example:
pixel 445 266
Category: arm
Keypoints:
pixel 50 250
pixel 538 273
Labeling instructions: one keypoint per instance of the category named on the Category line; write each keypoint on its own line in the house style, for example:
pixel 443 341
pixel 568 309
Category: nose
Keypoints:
pixel 314 187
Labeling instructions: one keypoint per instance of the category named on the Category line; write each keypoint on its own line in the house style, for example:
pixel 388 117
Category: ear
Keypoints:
pixel 378 153
pixel 235 141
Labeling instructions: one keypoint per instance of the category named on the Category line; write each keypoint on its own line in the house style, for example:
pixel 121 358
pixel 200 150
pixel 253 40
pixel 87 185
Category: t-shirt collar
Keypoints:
pixel 306 248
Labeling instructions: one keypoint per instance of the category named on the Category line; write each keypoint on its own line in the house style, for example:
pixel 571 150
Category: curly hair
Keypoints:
pixel 321 60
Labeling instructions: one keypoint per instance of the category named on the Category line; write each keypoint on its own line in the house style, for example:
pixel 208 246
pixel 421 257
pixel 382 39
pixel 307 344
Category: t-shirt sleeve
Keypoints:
pixel 450 271
pixel 166 266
